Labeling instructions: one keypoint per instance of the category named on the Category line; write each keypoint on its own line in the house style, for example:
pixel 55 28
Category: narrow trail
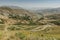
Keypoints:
pixel 6 32
pixel 40 28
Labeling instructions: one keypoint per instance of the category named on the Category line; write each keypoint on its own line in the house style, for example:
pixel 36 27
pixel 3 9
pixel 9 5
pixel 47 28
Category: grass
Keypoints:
pixel 2 27
pixel 50 33
pixel 1 34
pixel 39 35
pixel 20 35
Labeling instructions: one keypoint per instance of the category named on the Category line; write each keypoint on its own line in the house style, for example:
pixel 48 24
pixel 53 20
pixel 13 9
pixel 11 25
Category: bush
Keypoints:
pixel 20 35
pixel 56 22
pixel 1 21
pixel 14 16
pixel 13 28
pixel 26 17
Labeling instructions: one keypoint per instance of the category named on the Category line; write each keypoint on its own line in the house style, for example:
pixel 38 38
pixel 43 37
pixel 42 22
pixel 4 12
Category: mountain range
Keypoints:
pixel 14 14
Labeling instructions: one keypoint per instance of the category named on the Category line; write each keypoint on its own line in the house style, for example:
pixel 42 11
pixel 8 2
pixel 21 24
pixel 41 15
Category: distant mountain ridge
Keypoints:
pixel 49 11
pixel 13 7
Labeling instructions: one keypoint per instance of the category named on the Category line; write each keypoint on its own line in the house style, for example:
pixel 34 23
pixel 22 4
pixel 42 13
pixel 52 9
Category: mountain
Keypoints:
pixel 13 13
pixel 17 23
pixel 18 15
pixel 49 11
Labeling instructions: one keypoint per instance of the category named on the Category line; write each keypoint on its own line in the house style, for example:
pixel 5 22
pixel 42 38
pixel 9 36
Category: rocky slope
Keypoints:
pixel 16 14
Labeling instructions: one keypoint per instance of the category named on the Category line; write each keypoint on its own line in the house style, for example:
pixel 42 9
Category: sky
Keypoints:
pixel 31 3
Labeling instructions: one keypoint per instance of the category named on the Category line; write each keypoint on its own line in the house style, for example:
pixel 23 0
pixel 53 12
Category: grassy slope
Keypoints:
pixel 47 34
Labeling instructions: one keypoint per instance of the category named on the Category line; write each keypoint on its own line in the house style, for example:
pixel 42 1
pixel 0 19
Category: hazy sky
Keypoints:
pixel 32 3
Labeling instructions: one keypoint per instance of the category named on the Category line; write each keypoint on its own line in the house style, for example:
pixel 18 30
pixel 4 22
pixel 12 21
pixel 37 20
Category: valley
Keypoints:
pixel 20 24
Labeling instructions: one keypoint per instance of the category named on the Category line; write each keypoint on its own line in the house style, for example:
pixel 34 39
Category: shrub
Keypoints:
pixel 25 17
pixel 1 21
pixel 14 28
pixel 56 22
pixel 11 28
pixel 20 35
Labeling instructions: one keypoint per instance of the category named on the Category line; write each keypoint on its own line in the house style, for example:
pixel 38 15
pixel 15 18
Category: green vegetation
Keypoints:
pixel 56 22
pixel 20 35
pixel 1 34
pixel 14 16
pixel 1 21
pixel 54 16
pixel 20 24
pixel 25 17
pixel 13 28
pixel 22 32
